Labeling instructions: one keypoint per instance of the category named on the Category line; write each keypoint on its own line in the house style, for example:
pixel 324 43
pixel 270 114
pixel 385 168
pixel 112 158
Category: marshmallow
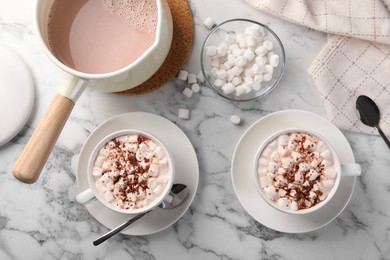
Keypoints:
pixel 236 120
pixel 221 50
pixel 326 154
pixel 304 167
pixel 108 196
pixel 256 30
pixel 236 81
pixel 267 76
pixel 284 202
pixel 209 23
pixel 230 38
pixel 247 88
pixel 200 77
pixel 191 78
pixel 257 69
pixel 268 45
pixel 270 192
pixel 261 50
pixel 182 75
pixel 222 74
pixel 328 184
pixel 313 174
pixel 187 92
pixel 183 113
pixel 274 60
pixel 228 88
pixel 211 51
pixel 330 173
pixel 249 54
pixel 97 171
pixel 154 170
pixel 240 90
pixel 241 61
pixel 268 69
pixel 265 181
pixel 215 63
pixel 294 205
pixel 219 83
pixel 248 80
pixel 195 88
pixel 158 189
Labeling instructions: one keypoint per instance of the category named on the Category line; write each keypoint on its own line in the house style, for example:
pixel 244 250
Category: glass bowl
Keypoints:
pixel 227 62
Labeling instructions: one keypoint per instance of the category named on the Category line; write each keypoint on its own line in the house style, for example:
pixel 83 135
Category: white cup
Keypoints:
pixel 34 156
pixel 92 193
pixel 342 170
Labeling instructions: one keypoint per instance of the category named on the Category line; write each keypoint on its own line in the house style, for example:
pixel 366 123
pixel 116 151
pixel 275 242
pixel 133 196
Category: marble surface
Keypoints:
pixel 43 221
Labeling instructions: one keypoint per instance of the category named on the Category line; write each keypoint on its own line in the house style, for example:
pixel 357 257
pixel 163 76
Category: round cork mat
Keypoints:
pixel 183 34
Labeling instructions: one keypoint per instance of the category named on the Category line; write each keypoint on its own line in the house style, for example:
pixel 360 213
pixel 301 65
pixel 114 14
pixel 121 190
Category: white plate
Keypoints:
pixel 245 189
pixel 17 94
pixel 185 160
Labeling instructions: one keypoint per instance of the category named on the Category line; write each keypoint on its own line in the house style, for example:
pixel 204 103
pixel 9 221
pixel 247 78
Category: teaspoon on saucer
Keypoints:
pixel 369 114
pixel 178 193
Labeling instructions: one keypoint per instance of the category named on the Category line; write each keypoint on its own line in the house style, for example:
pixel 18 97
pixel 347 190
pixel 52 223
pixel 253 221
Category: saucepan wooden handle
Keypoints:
pixel 35 154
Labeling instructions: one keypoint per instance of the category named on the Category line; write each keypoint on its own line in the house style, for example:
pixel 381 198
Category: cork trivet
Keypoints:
pixel 183 34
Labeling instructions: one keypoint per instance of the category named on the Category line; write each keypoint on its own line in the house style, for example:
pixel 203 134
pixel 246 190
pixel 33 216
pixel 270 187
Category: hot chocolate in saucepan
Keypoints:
pixel 101 36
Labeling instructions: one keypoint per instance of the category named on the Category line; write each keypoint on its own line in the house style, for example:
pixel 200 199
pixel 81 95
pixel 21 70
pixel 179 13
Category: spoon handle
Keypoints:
pixel 117 229
pixel 384 137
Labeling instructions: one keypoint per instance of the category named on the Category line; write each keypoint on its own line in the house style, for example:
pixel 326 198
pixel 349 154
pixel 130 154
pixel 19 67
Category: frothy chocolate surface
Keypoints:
pixel 131 171
pixel 296 171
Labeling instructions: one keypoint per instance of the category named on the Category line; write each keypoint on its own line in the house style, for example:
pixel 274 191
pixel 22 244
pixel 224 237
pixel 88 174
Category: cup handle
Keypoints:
pixel 85 196
pixel 352 169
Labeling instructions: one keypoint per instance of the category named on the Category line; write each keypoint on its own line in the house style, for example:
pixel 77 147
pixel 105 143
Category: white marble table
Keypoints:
pixel 43 221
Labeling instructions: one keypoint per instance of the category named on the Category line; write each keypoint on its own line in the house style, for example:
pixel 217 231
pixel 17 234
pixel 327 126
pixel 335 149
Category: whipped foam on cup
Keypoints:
pixel 296 171
pixel 131 171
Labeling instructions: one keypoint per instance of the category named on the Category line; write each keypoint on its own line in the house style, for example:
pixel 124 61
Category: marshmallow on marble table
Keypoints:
pixel 191 78
pixel 235 119
pixel 200 77
pixel 183 113
pixel 183 75
pixel 195 88
pixel 187 92
pixel 209 23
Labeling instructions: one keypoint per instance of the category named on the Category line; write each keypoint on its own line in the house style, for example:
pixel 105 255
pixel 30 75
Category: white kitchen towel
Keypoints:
pixel 346 68
pixel 355 61
pixel 363 19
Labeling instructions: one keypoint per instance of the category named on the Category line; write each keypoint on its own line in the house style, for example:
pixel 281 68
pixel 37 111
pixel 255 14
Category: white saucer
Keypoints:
pixel 245 189
pixel 185 160
pixel 17 94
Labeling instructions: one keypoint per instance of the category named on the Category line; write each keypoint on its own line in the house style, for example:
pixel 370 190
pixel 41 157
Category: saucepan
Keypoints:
pixel 35 154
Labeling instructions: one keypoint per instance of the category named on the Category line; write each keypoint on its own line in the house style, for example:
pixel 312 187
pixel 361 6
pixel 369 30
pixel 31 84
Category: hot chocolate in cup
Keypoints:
pixel 129 171
pixel 298 171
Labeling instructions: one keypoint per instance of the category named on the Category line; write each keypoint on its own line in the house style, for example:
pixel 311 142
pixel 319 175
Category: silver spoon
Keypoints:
pixel 368 113
pixel 179 193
